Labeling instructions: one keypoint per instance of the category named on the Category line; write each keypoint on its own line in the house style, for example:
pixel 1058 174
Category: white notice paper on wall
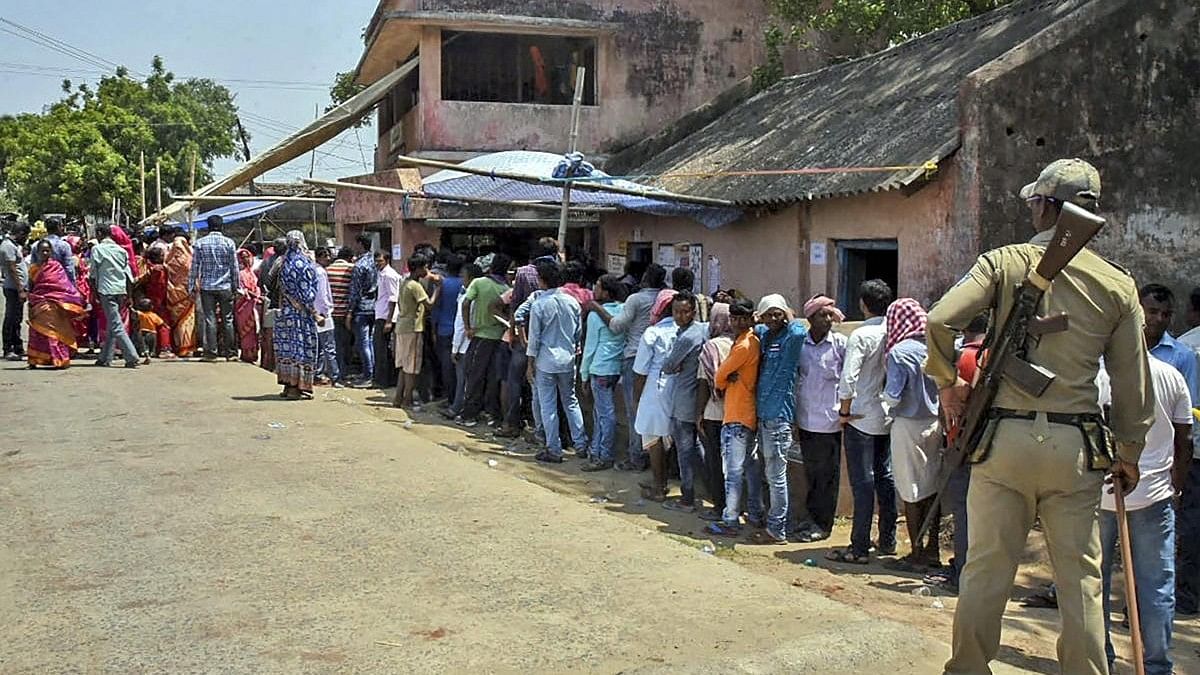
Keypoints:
pixel 817 255
pixel 666 256
pixel 397 253
pixel 714 274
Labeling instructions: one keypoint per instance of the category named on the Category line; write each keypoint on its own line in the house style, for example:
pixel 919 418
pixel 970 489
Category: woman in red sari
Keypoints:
pixel 53 305
pixel 246 308
pixel 82 324
pixel 181 306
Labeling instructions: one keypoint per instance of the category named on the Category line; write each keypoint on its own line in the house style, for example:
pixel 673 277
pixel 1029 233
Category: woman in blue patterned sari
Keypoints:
pixel 295 338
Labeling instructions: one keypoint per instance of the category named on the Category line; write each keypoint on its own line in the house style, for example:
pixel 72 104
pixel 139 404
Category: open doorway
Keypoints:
pixel 860 260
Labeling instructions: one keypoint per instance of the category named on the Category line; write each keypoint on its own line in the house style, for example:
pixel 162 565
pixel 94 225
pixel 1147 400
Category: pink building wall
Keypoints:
pixel 356 211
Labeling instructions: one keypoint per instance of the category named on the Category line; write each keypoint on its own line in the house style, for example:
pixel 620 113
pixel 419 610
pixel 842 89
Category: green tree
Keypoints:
pixel 83 151
pixel 345 88
pixel 854 28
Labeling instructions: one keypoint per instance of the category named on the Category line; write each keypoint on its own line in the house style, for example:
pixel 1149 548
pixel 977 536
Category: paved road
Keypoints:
pixel 155 521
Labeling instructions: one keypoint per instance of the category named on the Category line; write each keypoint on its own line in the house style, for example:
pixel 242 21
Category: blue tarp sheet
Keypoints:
pixel 234 212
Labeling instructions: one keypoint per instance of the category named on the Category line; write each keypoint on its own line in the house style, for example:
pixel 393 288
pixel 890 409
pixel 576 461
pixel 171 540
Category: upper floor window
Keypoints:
pixel 508 68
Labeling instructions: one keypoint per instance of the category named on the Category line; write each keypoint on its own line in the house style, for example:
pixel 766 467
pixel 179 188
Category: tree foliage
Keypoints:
pixel 83 150
pixel 345 88
pixel 854 28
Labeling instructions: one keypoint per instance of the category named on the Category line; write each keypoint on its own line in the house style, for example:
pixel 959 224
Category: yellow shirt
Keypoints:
pixel 1105 318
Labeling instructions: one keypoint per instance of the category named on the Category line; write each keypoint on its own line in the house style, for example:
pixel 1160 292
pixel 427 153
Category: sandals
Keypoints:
pixel 722 529
pixel 847 556
pixel 765 537
pixel 680 506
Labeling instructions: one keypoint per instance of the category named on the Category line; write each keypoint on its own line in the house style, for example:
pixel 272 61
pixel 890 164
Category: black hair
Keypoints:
pixel 102 231
pixel 20 229
pixel 453 263
pixel 573 272
pixel 154 254
pixel 215 223
pixel 684 296
pixel 1158 292
pixel 280 245
pixel 53 225
pixel 344 253
pixel 876 295
pixel 418 260
pixel 474 271
pixel 741 307
pixel 612 285
pixel 386 255
pixel 979 324
pixel 322 252
pixel 550 273
pixel 500 263
pixel 682 278
pixel 363 240
pixel 655 276
pixel 546 246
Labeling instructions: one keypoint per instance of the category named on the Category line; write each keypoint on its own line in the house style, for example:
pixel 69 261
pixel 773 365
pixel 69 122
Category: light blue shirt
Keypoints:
pixel 110 268
pixel 554 327
pixel 910 391
pixel 1181 356
pixel 603 350
pixel 778 369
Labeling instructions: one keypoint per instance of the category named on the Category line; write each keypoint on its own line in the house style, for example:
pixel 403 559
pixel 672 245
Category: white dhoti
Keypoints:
pixel 916 456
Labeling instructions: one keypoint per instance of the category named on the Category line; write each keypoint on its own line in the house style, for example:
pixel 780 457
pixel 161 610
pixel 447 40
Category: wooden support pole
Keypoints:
pixel 576 104
pixel 142 168
pixel 157 185
pixel 538 206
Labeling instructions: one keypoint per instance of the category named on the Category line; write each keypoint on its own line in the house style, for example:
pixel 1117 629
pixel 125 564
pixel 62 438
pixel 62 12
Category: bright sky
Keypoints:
pixel 277 58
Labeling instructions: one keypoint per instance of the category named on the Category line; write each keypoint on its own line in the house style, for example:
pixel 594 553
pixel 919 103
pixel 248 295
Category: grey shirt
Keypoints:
pixel 634 319
pixel 684 363
pixel 11 253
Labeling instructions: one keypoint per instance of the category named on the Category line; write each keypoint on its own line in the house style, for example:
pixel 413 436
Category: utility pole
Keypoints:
pixel 142 167
pixel 191 191
pixel 574 139
pixel 312 165
pixel 158 186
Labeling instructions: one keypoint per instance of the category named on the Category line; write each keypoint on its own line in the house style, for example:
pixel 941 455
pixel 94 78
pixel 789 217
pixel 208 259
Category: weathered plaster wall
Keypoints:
pixel 356 211
pixel 1122 91
pixel 666 58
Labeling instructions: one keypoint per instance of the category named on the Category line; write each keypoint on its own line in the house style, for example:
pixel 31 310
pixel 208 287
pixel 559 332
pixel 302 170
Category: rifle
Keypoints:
pixel 1006 355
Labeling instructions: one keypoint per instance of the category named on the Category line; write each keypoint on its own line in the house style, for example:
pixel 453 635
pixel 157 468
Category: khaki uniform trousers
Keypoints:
pixel 1035 469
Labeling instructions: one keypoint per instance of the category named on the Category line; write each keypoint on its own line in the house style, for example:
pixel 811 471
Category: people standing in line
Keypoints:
pixel 16 280
pixel 519 333
pixel 340 272
pixel 54 304
pixel 1037 463
pixel 215 277
pixel 814 463
pixel 683 364
pixel 554 330
pixel 655 394
pixel 387 291
pixel 525 284
pixel 462 344
pixel 360 317
pixel 111 279
pixel 246 307
pixel 865 427
pixel 480 307
pixel 911 398
pixel 600 371
pixel 408 325
pixel 781 341
pixel 295 333
pixel 181 304
pixel 573 273
pixel 737 377
pixel 710 406
pixel 1150 510
pixel 268 284
pixel 445 310
pixel 632 322
pixel 327 371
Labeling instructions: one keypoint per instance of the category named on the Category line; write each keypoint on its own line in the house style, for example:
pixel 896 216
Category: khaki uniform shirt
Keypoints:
pixel 1105 318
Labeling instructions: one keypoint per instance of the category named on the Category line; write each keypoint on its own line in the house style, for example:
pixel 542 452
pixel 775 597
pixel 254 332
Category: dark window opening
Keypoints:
pixel 505 68
pixel 402 98
pixel 861 260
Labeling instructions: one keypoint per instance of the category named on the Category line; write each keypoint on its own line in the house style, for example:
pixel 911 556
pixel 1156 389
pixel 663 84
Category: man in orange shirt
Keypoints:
pixel 738 378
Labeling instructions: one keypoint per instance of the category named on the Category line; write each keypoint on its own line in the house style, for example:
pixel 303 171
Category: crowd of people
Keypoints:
pixel 750 404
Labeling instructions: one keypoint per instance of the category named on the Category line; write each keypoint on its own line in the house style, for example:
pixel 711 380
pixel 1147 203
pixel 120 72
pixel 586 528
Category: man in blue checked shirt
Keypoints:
pixel 360 315
pixel 215 275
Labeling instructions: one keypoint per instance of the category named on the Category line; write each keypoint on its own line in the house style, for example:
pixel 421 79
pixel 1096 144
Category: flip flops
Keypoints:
pixel 847 556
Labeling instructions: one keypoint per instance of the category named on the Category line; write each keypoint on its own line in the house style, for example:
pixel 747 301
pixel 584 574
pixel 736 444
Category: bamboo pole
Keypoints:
pixel 648 193
pixel 1131 606
pixel 142 168
pixel 158 185
pixel 191 188
pixel 248 198
pixel 576 104
pixel 475 200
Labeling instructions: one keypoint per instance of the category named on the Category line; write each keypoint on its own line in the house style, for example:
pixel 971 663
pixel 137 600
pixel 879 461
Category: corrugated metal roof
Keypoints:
pixel 897 107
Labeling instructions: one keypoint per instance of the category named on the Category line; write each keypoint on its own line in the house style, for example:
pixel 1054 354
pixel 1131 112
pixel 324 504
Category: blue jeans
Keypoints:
pixel 769 460
pixel 1152 544
pixel 635 453
pixel 604 417
pixel 737 442
pixel 869 465
pixel 1187 532
pixel 564 384
pixel 116 332
pixel 327 360
pixel 683 432
pixel 364 338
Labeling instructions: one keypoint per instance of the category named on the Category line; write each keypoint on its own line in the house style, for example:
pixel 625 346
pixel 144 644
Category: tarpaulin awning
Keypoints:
pixel 450 184
pixel 231 213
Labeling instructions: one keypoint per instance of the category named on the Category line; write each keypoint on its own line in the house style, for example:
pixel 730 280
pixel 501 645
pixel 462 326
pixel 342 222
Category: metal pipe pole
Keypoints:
pixel 576 104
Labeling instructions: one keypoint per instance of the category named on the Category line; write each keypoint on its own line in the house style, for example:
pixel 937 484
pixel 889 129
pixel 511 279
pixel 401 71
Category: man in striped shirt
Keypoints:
pixel 339 272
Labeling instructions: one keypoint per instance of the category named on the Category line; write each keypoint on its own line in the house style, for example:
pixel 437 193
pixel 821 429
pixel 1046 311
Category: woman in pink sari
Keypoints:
pixel 82 324
pixel 246 308
pixel 53 305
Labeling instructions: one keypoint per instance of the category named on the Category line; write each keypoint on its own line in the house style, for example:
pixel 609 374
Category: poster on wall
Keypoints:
pixel 686 255
pixel 714 275
pixel 397 253
pixel 616 264
pixel 667 257
pixel 817 255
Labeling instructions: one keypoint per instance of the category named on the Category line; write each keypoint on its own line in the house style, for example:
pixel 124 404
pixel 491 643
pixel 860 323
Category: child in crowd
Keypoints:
pixel 154 336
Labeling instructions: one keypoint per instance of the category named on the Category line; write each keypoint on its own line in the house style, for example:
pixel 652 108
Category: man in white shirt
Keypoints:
pixel 868 452
pixel 1149 508
pixel 386 294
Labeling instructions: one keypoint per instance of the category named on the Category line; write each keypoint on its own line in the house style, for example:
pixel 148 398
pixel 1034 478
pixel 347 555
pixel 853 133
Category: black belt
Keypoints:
pixel 1069 419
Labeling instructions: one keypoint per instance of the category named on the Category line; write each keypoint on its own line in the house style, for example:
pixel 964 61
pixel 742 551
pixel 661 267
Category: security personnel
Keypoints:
pixel 1037 463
